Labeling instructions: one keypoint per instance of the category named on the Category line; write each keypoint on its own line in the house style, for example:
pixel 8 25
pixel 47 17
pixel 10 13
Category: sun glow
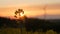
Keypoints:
pixel 21 14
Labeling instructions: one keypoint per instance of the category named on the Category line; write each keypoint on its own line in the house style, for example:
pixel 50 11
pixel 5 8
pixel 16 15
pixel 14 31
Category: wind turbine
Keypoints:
pixel 19 14
pixel 45 11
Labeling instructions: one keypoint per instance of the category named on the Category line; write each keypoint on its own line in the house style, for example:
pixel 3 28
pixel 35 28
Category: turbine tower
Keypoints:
pixel 20 16
pixel 45 11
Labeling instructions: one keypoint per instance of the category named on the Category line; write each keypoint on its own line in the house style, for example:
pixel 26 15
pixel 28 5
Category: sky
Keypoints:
pixel 32 8
pixel 27 2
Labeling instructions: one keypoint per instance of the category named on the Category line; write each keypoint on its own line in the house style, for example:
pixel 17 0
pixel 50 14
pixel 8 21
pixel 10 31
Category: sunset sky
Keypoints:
pixel 32 8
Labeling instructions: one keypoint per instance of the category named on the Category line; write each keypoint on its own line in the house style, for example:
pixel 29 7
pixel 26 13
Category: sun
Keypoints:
pixel 21 14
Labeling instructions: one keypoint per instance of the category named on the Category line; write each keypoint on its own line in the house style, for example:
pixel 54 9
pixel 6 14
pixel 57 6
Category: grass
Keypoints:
pixel 18 31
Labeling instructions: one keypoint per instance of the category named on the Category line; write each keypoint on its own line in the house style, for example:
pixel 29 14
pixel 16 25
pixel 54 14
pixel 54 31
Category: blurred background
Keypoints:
pixel 40 17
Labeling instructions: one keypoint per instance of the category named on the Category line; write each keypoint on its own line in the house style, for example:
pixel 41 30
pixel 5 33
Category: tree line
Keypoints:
pixel 32 24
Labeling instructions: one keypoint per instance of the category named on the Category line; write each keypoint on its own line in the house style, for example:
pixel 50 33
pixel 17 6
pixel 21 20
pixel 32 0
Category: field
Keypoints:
pixel 18 31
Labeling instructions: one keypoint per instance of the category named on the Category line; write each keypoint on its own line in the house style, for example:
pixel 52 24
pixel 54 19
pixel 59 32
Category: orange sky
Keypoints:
pixel 32 11
pixel 32 8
